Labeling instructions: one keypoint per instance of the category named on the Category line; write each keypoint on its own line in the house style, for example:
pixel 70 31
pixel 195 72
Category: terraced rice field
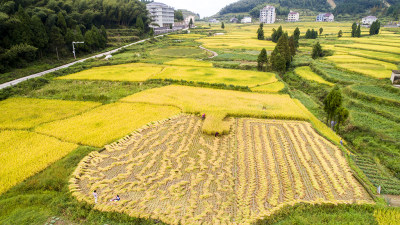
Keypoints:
pixel 180 52
pixel 25 153
pixel 173 172
pixel 306 73
pixel 369 67
pixel 269 88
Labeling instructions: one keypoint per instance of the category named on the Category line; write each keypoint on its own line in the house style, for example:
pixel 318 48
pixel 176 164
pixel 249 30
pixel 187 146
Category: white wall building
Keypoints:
pixel 293 16
pixel 161 14
pixel 325 17
pixel 369 20
pixel 246 20
pixel 395 76
pixel 187 20
pixel 268 14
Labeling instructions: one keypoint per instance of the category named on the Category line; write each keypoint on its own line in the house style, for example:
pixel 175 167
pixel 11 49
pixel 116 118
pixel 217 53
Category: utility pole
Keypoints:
pixel 73 46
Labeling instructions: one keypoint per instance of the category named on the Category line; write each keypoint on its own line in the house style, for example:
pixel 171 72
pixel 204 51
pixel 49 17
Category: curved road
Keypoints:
pixel 17 81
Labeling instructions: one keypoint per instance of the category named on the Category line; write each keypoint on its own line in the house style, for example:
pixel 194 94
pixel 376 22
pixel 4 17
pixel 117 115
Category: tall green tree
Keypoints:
pixel 178 15
pixel 139 23
pixel 260 32
pixel 332 105
pixel 341 116
pixel 278 62
pixel 358 31
pixel 317 51
pixel 296 35
pixel 321 30
pixel 375 27
pixel 276 34
pixel 40 39
pixel 353 29
pixel 284 49
pixel 57 41
pixel 103 32
pixel 61 23
pixel 292 46
pixel 262 59
pixel 223 25
pixel 191 23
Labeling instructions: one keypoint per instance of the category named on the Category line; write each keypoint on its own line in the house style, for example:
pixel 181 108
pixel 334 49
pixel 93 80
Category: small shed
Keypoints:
pixel 395 77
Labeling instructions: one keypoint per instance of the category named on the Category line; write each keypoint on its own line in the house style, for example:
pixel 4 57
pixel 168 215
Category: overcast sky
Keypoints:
pixel 203 7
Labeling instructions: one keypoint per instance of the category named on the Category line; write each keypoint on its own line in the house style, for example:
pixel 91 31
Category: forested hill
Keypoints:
pixel 31 29
pixel 283 6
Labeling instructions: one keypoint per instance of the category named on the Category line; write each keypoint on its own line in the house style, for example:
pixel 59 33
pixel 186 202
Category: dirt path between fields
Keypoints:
pixel 392 200
pixel 208 50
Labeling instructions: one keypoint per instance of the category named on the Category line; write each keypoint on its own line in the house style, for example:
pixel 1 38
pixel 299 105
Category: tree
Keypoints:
pixel 223 25
pixel 262 59
pixel 40 39
pixel 276 34
pixel 178 15
pixel 296 35
pixel 358 31
pixel 375 27
pixel 321 30
pixel 278 62
pixel 260 32
pixel 191 23
pixel 340 34
pixel 139 23
pixel 292 46
pixel 57 40
pixel 353 29
pixel 284 49
pixel 332 103
pixel 151 33
pixel 317 51
pixel 61 23
pixel 170 26
pixel 341 116
pixel 103 32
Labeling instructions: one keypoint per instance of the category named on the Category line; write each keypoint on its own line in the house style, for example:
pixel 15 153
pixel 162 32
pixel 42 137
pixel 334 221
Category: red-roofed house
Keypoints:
pixel 325 17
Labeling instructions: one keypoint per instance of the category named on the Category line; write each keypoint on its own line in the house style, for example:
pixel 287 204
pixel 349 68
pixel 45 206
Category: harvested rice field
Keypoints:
pixel 173 172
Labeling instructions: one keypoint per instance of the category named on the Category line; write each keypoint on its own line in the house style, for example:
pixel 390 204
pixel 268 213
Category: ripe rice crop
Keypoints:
pixel 382 56
pixel 189 62
pixel 23 113
pixel 216 102
pixel 106 123
pixel 25 153
pixel 175 173
pixel 370 67
pixel 217 75
pixel 387 216
pixel 180 52
pixel 269 88
pixel 185 36
pixel 379 48
pixel 124 72
pixel 306 73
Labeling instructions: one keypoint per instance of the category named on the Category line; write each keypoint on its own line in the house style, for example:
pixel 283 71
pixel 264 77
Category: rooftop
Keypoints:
pixel 159 4
pixel 292 13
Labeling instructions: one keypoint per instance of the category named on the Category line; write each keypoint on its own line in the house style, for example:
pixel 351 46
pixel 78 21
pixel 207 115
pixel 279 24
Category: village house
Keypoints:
pixel 161 14
pixel 268 14
pixel 246 20
pixel 234 20
pixel 395 77
pixel 368 20
pixel 325 17
pixel 293 16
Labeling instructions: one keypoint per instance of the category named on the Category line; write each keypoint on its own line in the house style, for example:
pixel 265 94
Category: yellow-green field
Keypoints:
pixel 217 75
pixel 125 72
pixel 24 153
pixel 221 103
pixel 370 67
pixel 379 48
pixel 189 62
pixel 306 73
pixel 269 88
pixel 24 113
pixel 180 52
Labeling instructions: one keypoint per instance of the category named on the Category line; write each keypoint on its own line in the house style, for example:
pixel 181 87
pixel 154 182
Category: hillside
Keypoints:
pixel 32 29
pixel 283 6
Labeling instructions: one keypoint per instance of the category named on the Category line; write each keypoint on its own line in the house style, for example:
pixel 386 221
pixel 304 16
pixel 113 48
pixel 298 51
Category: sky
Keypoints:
pixel 203 7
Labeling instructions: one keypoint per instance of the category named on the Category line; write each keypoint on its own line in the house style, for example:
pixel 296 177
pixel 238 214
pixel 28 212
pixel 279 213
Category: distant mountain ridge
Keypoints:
pixel 335 6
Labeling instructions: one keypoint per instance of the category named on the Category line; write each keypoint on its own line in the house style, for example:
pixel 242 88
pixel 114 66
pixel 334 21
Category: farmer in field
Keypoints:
pixel 95 196
pixel 116 199
pixel 203 116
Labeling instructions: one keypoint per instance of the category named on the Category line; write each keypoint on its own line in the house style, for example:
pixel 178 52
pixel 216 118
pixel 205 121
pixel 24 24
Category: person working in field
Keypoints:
pixel 95 196
pixel 116 199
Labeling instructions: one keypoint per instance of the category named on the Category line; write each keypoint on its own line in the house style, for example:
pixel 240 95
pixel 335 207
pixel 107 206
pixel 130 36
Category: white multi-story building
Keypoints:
pixel 161 14
pixel 268 14
pixel 369 20
pixel 293 16
pixel 246 20
pixel 325 17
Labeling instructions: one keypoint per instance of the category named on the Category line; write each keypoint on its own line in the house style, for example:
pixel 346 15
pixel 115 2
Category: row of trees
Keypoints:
pixel 374 29
pixel 32 29
pixel 355 30
pixel 283 53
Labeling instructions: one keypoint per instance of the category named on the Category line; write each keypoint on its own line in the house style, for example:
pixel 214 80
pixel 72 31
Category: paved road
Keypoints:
pixel 17 81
